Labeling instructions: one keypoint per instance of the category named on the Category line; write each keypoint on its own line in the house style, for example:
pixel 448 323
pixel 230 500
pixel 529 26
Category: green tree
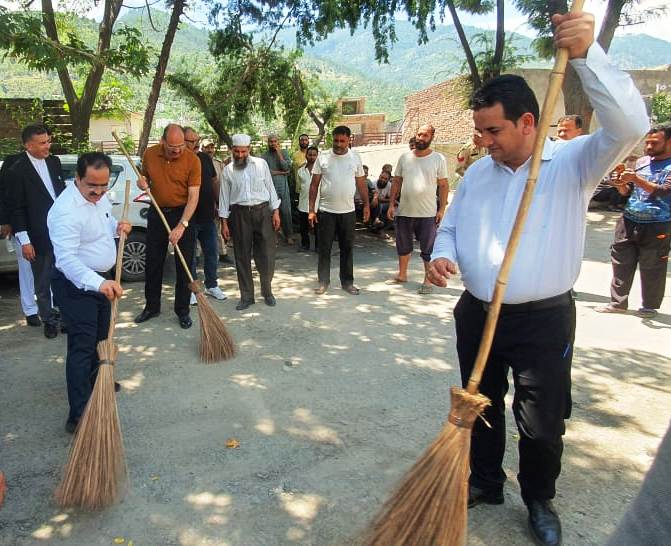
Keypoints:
pixel 177 9
pixel 618 13
pixel 661 107
pixel 249 79
pixel 45 41
pixel 313 102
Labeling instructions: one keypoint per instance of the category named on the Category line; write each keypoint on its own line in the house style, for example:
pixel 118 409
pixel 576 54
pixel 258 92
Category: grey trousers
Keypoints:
pixel 43 269
pixel 285 208
pixel 253 236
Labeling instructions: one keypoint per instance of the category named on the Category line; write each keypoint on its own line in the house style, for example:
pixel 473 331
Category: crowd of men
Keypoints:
pixel 66 237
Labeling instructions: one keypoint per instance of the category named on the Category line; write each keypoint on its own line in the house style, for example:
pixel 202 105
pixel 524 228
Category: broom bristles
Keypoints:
pixel 216 344
pixel 429 507
pixel 95 473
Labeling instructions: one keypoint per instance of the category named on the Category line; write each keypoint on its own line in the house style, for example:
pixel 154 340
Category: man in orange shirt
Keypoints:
pixel 173 174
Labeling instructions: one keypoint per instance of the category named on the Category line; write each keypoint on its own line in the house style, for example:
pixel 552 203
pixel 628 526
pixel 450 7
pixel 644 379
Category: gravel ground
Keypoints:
pixel 332 398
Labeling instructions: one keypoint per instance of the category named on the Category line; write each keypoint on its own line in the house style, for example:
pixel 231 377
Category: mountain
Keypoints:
pixel 345 63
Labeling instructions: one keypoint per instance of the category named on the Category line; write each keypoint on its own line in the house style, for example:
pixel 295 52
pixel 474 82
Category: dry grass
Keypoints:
pixel 429 507
pixel 95 473
pixel 216 344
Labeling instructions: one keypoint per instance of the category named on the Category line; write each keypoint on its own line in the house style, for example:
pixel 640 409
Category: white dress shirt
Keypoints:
pixel 43 171
pixel 82 234
pixel 475 231
pixel 250 186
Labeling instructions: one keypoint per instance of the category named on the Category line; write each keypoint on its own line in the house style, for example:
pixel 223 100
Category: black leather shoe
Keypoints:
pixel 321 289
pixel 480 496
pixel 50 331
pixel 71 426
pixel 146 315
pixel 243 304
pixel 270 300
pixel 351 289
pixel 33 320
pixel 185 322
pixel 544 523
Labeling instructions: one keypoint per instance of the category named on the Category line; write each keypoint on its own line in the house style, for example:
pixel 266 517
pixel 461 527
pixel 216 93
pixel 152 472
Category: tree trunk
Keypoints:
pixel 575 100
pixel 177 11
pixel 500 43
pixel 82 107
pixel 470 59
pixel 610 22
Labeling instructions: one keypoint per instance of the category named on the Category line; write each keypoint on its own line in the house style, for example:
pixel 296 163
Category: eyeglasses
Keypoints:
pixel 194 141
pixel 175 148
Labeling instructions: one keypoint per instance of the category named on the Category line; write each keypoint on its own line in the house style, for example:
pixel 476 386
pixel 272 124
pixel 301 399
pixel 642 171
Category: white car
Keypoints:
pixel 133 266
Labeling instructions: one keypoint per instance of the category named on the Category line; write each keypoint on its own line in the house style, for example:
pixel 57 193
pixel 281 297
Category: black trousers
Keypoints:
pixel 87 315
pixel 43 270
pixel 645 245
pixel 330 227
pixel 538 346
pixel 157 247
pixel 305 231
pixel 253 236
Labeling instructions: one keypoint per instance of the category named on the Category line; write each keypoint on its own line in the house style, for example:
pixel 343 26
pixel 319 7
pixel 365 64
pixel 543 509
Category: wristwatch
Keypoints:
pixel 185 223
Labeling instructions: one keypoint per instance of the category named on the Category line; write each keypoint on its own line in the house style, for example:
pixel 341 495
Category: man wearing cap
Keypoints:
pixel 249 208
pixel 173 173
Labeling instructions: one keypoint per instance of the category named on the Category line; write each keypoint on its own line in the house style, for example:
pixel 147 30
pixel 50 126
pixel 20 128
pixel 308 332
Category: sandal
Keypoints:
pixel 425 289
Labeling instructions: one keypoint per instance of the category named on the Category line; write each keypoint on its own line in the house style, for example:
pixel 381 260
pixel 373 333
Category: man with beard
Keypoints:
pixel 280 165
pixel 249 208
pixel 643 232
pixel 335 176
pixel 174 177
pixel 380 202
pixel 417 175
pixel 299 156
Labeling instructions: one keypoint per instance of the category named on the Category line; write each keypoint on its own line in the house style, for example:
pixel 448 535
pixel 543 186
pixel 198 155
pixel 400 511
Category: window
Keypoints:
pixel 350 107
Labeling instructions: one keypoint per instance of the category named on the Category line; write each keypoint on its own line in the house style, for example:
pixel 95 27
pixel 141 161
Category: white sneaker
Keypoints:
pixel 194 301
pixel 216 293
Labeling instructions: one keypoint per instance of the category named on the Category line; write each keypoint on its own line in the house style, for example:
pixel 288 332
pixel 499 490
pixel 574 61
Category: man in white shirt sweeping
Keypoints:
pixel 536 327
pixel 82 231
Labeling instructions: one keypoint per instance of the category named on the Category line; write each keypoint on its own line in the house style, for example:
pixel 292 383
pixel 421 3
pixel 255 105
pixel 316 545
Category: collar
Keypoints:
pixel 549 149
pixel 33 159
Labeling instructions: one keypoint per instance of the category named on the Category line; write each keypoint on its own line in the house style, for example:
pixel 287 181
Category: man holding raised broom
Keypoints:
pixel 82 231
pixel 536 325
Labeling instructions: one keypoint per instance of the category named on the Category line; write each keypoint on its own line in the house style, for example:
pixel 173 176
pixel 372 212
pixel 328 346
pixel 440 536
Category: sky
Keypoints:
pixel 515 21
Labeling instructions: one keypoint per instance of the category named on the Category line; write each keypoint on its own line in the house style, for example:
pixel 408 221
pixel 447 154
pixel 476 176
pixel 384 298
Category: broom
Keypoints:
pixel 429 508
pixel 96 469
pixel 215 342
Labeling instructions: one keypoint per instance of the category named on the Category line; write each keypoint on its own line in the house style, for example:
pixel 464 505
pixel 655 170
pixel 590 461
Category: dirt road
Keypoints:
pixel 332 398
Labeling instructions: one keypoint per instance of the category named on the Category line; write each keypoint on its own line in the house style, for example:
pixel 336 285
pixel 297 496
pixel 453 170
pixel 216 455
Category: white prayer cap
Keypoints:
pixel 241 140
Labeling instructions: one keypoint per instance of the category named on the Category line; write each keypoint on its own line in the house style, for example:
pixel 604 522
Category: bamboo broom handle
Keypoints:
pixel 158 210
pixel 119 258
pixel 556 79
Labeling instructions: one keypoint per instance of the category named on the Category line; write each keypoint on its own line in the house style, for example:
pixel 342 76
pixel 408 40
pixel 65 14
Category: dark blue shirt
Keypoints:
pixel 644 207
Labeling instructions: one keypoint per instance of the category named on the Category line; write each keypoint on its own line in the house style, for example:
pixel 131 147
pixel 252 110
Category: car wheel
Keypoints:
pixel 134 257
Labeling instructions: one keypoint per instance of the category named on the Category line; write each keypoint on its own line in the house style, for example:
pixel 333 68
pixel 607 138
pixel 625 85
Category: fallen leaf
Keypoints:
pixel 154 478
pixel 232 443
pixel 119 540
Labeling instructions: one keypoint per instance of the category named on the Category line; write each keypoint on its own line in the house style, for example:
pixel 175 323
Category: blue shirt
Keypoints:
pixel 644 207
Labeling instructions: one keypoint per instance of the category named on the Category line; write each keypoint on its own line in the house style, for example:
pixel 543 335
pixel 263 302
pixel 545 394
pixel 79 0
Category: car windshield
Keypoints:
pixel 70 168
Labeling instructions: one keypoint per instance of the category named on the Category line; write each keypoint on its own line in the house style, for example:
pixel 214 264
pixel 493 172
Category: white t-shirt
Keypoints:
pixel 303 180
pixel 337 184
pixel 420 176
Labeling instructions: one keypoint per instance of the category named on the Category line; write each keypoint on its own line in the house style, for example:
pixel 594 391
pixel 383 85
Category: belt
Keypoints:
pixel 168 210
pixel 562 300
pixel 251 207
